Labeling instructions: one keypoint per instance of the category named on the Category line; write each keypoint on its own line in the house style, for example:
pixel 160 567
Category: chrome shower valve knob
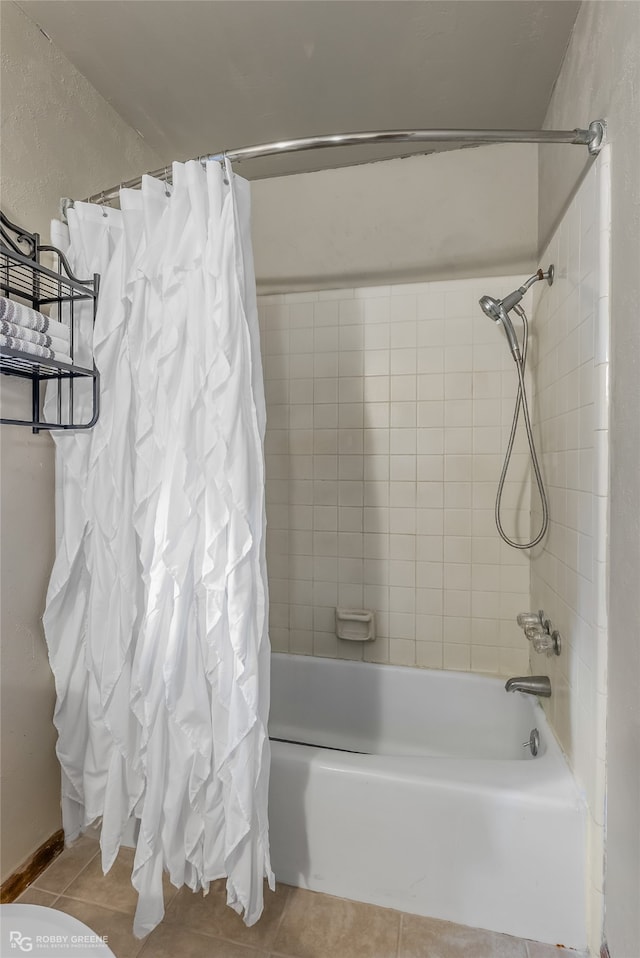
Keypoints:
pixel 526 619
pixel 543 640
pixel 539 631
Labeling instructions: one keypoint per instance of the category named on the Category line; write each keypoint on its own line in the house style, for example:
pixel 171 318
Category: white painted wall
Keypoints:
pixel 600 77
pixel 465 213
pixel 59 138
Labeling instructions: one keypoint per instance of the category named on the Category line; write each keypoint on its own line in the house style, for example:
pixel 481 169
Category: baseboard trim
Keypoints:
pixel 29 871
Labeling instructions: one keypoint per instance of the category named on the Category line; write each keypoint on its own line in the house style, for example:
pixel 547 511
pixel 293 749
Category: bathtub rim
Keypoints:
pixel 549 775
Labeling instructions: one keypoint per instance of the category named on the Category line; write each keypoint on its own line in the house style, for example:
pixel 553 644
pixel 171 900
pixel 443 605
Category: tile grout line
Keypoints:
pixel 177 926
pixel 215 937
pixel 77 875
pixel 176 892
pixel 263 946
pixel 53 894
pixel 109 907
pixel 143 944
pixel 98 904
pixel 400 928
pixel 281 919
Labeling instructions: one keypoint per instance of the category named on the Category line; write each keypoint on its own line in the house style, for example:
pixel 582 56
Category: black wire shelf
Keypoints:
pixel 58 293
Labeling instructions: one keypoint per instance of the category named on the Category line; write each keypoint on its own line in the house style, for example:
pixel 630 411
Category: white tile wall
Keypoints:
pixel 388 413
pixel 571 374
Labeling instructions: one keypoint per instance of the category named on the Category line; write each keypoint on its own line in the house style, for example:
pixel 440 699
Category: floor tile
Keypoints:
pixel 430 938
pixel 36 896
pixel 295 924
pixel 117 927
pixel 67 865
pixel 113 889
pixel 318 926
pixel 174 941
pixel 210 914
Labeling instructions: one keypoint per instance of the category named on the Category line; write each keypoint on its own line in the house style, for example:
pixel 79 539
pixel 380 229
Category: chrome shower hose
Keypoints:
pixel 521 401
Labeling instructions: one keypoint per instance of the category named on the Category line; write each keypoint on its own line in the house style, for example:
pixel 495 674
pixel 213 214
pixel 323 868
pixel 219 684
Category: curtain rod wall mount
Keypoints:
pixel 592 138
pixel 597 132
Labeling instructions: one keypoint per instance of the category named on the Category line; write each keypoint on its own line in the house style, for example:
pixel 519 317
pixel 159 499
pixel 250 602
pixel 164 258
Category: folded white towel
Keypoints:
pixel 12 312
pixel 33 336
pixel 43 352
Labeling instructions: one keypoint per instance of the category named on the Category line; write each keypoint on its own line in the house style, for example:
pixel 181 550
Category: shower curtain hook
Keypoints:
pixel 102 202
pixel 167 191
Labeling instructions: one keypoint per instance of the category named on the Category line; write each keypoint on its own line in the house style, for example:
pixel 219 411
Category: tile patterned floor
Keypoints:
pixel 295 923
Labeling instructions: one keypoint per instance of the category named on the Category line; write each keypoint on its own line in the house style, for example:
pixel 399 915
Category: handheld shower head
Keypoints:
pixel 498 309
pixel 495 310
pixel 490 307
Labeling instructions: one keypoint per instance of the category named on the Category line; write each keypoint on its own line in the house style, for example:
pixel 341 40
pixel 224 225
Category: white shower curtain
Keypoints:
pixel 156 616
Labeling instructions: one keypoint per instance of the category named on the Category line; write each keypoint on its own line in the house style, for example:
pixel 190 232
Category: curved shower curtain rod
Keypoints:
pixel 592 138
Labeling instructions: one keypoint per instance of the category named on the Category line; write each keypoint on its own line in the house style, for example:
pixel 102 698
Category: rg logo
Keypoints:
pixel 20 941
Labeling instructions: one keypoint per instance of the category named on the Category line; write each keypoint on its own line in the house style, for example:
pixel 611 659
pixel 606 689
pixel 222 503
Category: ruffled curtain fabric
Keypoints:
pixel 157 609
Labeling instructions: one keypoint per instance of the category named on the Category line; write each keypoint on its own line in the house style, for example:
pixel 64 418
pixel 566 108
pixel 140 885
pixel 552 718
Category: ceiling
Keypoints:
pixel 200 76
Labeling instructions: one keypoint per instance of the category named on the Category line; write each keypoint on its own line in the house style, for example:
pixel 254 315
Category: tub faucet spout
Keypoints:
pixel 531 684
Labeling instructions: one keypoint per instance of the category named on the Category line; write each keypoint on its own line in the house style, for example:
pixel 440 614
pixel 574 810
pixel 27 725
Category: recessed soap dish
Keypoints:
pixel 356 625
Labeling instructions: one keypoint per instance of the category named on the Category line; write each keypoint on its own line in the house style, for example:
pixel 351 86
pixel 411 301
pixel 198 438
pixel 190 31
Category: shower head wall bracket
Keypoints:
pixel 540 274
pixel 498 309
pixel 549 275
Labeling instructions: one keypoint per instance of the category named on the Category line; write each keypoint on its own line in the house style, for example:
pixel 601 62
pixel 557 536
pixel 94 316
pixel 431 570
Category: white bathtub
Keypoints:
pixel 436 808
